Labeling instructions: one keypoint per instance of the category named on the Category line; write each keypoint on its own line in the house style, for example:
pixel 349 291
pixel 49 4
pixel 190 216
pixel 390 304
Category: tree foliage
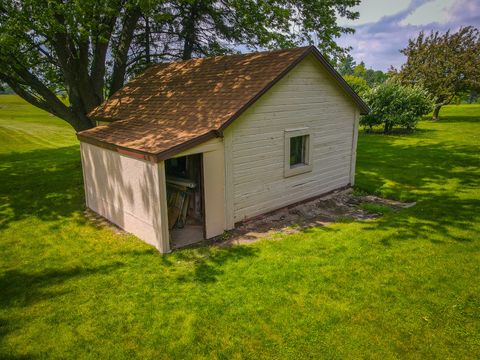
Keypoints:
pixel 445 64
pixel 347 66
pixel 86 49
pixel 395 105
pixel 358 84
pixel 372 77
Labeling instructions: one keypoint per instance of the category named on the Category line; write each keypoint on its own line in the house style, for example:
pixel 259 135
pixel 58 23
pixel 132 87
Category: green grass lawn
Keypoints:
pixel 404 286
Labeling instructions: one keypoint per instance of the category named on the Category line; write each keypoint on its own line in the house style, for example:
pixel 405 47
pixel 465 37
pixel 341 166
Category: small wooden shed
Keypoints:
pixel 188 149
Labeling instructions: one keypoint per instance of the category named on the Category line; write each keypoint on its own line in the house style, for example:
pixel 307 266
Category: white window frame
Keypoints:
pixel 300 168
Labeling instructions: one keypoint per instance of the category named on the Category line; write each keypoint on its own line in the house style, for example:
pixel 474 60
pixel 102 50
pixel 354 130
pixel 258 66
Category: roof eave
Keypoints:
pixel 167 154
pixel 147 156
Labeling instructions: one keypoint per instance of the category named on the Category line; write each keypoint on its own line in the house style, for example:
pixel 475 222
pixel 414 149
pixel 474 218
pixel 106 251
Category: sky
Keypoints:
pixel 385 26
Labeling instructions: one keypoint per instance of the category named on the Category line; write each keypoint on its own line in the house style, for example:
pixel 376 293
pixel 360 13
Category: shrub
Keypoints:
pixel 395 105
pixel 358 84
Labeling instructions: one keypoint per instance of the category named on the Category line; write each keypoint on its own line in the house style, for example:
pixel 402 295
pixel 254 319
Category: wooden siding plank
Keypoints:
pixel 306 97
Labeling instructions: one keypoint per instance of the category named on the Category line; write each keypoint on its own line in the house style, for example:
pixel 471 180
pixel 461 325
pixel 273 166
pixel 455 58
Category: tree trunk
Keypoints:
pixel 120 54
pixel 436 111
pixel 79 122
pixel 147 40
pixel 189 32
pixel 387 128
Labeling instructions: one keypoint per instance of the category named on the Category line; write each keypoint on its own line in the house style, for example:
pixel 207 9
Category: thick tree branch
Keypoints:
pixel 121 52
pixel 19 90
pixel 50 98
pixel 100 50
pixel 45 100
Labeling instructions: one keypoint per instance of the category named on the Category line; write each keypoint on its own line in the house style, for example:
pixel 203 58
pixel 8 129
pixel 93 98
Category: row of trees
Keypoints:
pixel 86 49
pixel 359 74
pixel 440 69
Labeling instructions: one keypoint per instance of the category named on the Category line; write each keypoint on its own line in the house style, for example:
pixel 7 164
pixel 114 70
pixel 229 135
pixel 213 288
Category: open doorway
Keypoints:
pixel 186 214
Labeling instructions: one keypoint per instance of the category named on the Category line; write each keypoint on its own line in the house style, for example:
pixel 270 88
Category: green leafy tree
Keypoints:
pixel 360 70
pixel 395 105
pixel 447 65
pixel 53 47
pixel 346 65
pixel 358 84
pixel 372 77
pixel 86 49
pixel 375 77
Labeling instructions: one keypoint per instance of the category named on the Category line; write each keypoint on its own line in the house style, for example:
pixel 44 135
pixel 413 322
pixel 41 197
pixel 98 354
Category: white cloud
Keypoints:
pixel 435 11
pixel 374 10
pixel 377 43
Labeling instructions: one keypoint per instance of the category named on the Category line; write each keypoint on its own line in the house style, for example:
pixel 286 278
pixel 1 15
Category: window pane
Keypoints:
pixel 297 150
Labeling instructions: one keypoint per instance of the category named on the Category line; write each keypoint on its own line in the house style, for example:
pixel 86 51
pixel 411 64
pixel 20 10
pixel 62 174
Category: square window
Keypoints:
pixel 298 150
pixel 298 147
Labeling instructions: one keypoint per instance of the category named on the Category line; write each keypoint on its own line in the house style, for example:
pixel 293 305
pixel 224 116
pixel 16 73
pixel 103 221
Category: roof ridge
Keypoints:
pixel 229 55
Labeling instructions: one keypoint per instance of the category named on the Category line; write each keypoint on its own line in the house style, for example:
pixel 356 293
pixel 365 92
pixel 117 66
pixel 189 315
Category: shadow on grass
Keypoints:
pixel 416 167
pixel 20 289
pixel 203 263
pixel 458 119
pixel 46 184
pixel 378 131
pixel 428 219
pixel 465 114
pixel 209 261
pixel 437 176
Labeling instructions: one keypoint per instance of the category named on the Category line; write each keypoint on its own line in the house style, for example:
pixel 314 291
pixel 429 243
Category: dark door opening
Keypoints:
pixel 184 182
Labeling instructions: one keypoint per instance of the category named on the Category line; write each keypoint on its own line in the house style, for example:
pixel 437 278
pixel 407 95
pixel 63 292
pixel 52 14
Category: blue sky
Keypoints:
pixel 385 26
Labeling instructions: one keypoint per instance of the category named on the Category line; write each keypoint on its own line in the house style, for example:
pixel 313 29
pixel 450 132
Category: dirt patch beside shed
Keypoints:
pixel 340 205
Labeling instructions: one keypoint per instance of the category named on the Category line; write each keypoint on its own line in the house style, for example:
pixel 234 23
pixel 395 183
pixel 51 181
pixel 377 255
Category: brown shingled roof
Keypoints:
pixel 173 106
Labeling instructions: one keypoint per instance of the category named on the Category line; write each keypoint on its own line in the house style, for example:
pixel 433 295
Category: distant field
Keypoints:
pixel 403 286
pixel 24 127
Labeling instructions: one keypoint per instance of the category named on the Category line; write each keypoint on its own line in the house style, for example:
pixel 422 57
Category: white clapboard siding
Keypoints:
pixel 246 172
pixel 306 97
pixel 127 191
